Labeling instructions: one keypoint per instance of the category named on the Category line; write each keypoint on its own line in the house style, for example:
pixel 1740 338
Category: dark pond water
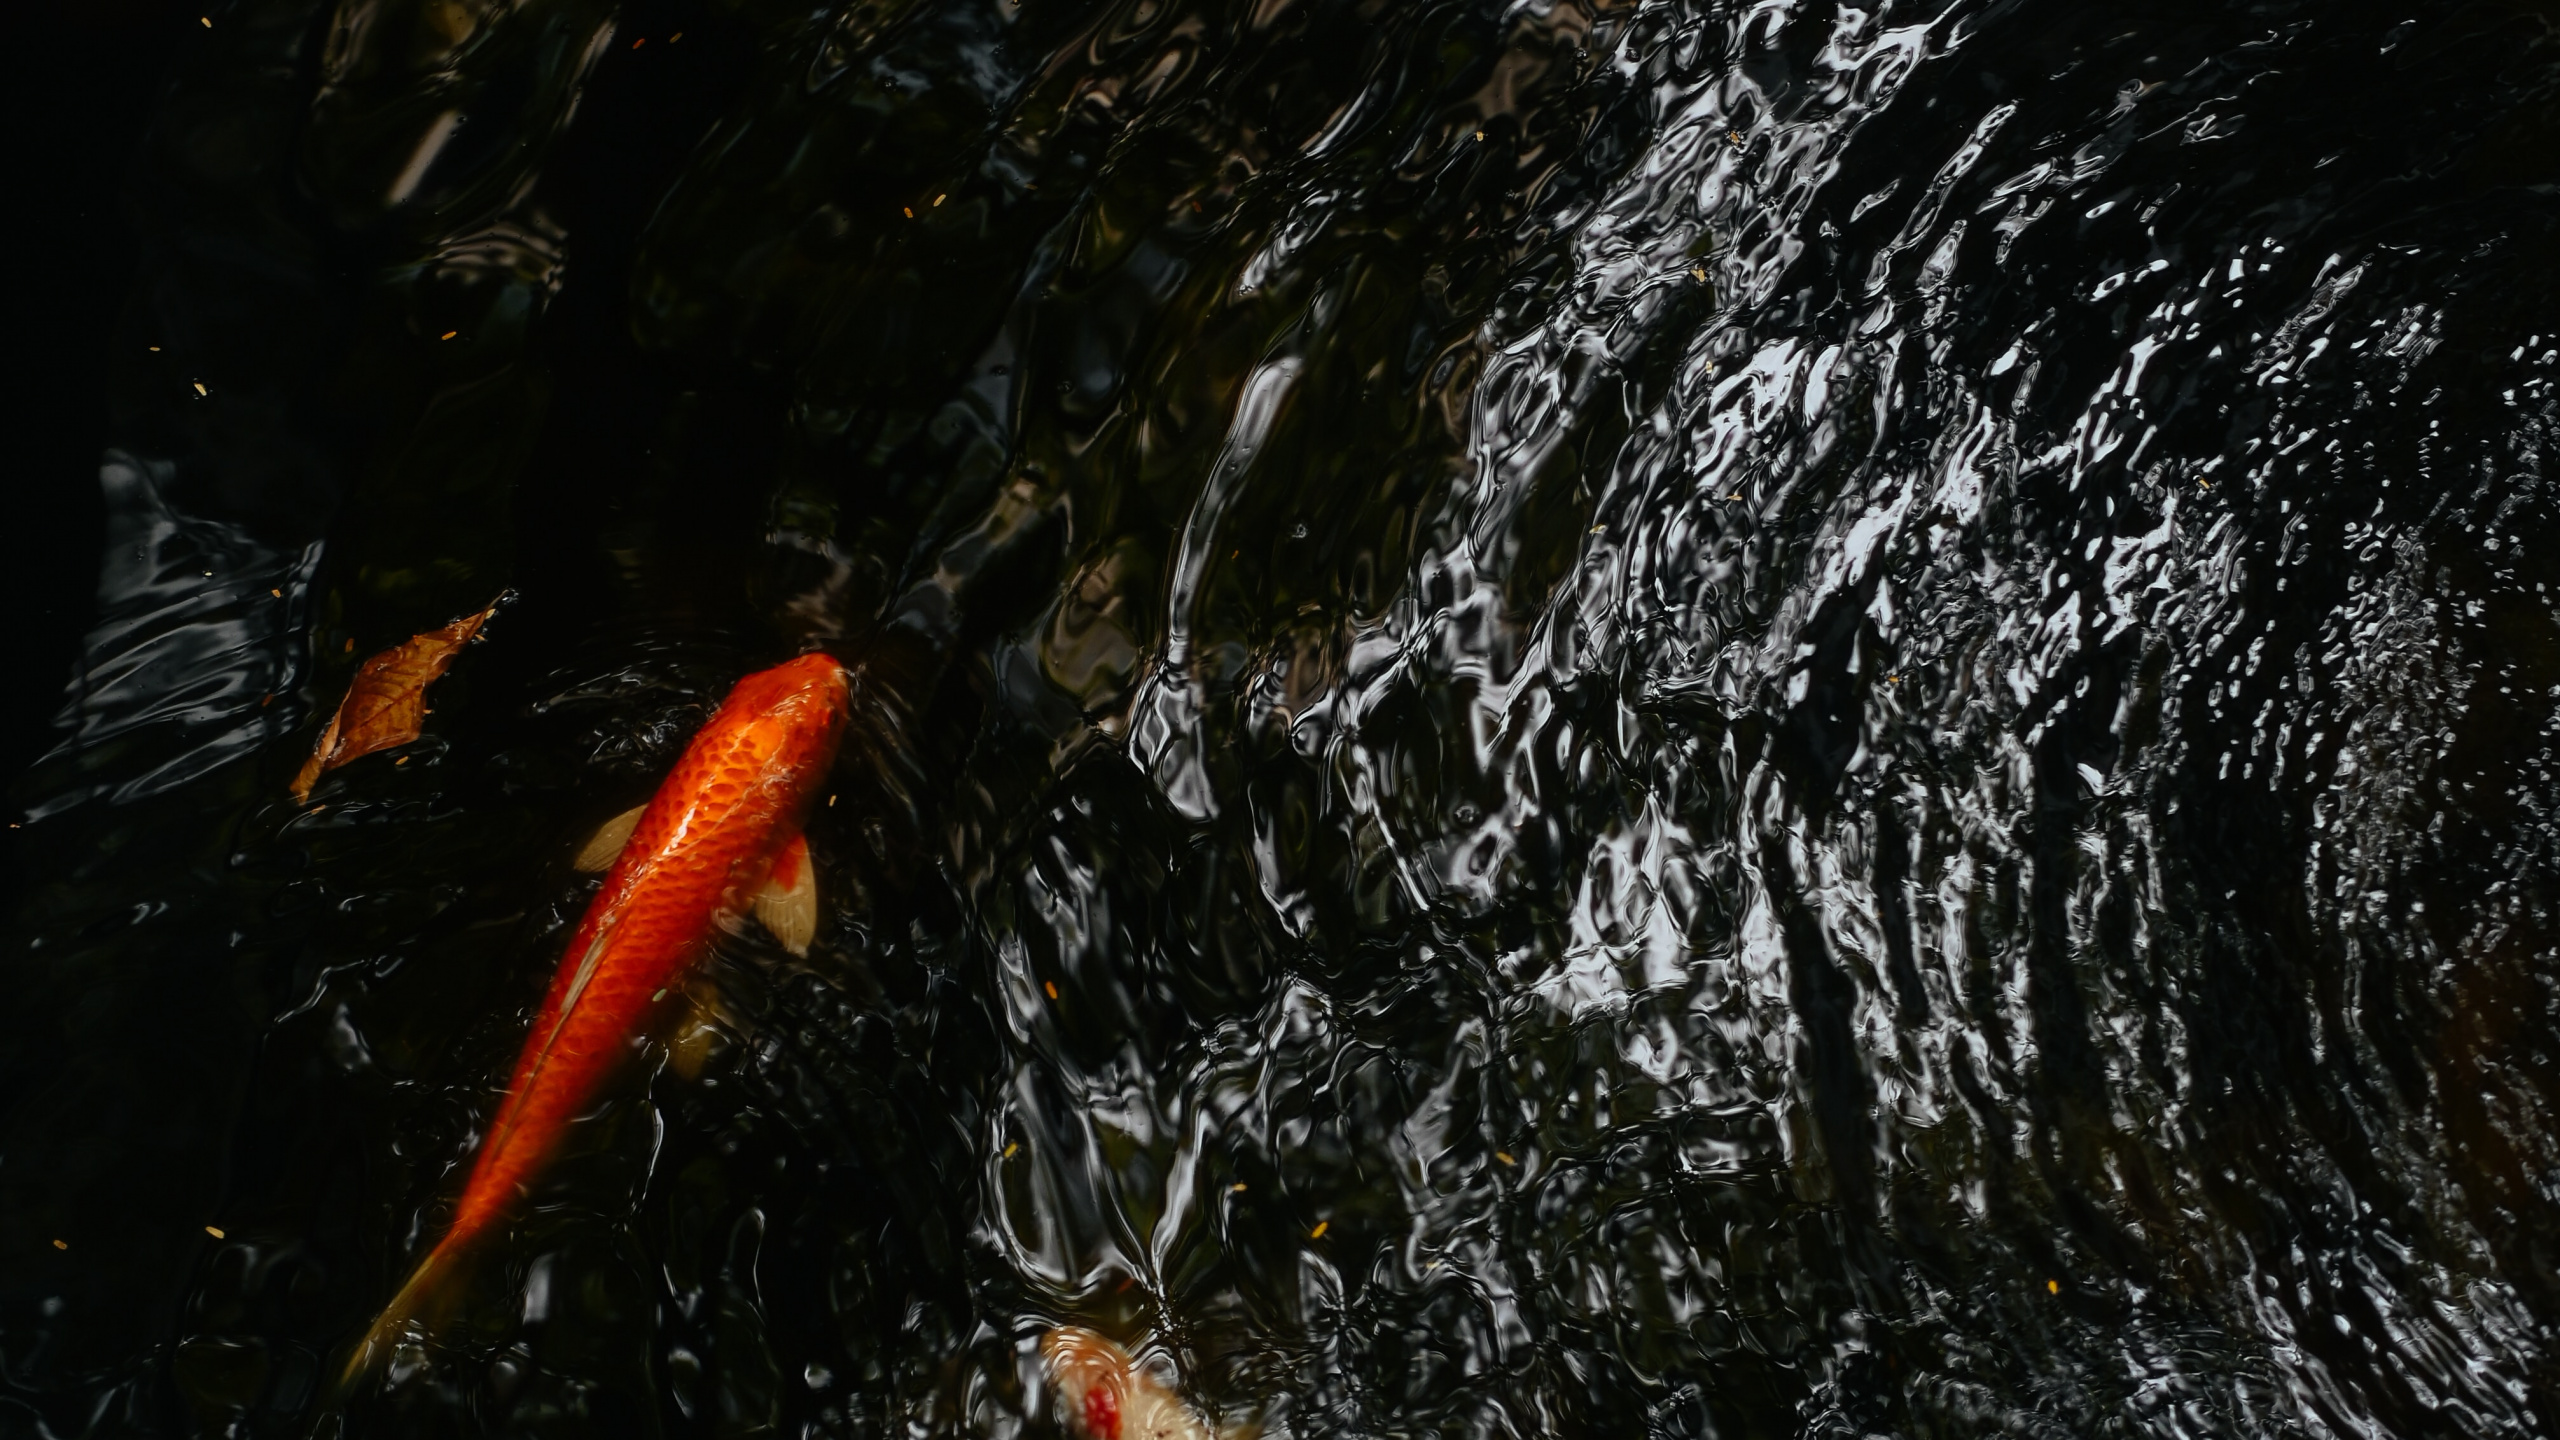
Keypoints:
pixel 1668 720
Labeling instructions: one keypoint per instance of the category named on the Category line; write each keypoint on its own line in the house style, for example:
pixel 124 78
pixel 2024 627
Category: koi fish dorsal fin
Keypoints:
pixel 605 846
pixel 788 901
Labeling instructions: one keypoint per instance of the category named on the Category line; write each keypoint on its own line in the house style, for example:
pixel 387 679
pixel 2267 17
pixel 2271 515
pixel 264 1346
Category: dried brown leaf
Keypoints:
pixel 387 704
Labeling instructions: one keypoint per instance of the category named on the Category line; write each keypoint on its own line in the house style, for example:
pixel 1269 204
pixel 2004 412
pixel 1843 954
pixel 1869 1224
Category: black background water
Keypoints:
pixel 1701 720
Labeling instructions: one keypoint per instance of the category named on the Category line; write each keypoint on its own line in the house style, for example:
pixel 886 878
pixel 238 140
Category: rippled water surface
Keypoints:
pixel 1634 719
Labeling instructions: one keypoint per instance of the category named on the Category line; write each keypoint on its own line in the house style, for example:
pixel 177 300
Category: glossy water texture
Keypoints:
pixel 1605 719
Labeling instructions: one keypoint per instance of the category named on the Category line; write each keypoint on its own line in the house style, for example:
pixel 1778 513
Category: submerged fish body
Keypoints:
pixel 1106 1396
pixel 723 827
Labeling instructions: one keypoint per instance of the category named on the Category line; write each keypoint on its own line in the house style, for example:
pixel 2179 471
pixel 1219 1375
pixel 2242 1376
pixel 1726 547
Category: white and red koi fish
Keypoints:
pixel 1107 1397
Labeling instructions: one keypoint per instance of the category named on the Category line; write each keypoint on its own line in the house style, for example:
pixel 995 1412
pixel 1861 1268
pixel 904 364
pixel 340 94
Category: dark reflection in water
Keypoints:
pixel 1613 719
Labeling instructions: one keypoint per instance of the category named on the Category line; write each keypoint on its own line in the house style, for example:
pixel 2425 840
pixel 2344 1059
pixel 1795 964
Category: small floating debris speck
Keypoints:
pixel 214 1230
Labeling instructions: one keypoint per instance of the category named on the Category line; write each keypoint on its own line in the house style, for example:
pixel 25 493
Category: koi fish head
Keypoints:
pixel 816 679
pixel 784 720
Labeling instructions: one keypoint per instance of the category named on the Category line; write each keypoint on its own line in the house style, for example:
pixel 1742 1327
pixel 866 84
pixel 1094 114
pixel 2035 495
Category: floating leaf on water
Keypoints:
pixel 387 704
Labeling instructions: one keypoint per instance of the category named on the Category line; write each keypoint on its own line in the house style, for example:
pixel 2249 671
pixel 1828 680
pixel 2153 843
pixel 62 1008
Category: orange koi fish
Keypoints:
pixel 722 835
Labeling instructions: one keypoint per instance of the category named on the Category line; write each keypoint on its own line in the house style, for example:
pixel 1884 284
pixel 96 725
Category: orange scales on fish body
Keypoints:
pixel 722 834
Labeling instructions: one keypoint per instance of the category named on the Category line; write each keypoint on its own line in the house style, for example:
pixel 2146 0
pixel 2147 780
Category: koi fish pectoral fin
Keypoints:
pixel 787 902
pixel 708 1028
pixel 605 846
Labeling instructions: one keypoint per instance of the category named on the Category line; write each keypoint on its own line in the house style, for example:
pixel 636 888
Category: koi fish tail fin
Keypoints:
pixel 427 1301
